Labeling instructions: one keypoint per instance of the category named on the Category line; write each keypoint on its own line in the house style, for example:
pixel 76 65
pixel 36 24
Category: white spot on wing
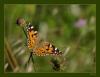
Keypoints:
pixel 35 32
pixel 55 52
pixel 31 27
pixel 55 48
pixel 50 45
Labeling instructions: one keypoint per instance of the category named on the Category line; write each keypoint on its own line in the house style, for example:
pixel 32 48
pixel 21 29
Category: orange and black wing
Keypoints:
pixel 32 36
pixel 51 49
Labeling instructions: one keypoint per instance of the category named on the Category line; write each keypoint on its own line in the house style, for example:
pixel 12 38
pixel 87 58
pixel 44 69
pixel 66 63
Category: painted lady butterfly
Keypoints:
pixel 39 48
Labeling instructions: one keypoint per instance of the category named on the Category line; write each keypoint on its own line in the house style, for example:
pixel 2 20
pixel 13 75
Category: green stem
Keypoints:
pixel 31 58
pixel 24 32
pixel 33 64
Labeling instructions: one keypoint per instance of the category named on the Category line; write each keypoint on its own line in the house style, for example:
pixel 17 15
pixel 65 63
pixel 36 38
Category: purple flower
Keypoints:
pixel 80 23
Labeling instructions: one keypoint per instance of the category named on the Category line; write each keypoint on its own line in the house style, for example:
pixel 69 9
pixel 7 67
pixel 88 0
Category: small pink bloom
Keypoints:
pixel 80 23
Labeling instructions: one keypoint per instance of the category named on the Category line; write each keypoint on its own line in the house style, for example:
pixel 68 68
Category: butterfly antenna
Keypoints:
pixel 30 57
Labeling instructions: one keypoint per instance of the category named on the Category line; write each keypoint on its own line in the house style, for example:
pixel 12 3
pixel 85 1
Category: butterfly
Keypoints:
pixel 39 48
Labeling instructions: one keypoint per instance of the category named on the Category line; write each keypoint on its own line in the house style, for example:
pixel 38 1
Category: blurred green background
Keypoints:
pixel 70 27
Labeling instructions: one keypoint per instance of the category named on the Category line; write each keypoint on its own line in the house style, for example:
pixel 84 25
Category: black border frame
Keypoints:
pixel 2 37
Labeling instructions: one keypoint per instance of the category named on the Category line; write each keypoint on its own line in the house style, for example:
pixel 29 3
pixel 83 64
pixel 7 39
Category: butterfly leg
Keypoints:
pixel 29 59
pixel 32 58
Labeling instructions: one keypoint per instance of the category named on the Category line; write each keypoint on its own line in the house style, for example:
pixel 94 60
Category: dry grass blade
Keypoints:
pixel 11 58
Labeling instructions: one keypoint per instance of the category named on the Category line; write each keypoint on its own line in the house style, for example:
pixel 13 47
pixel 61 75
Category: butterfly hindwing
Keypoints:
pixel 50 49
